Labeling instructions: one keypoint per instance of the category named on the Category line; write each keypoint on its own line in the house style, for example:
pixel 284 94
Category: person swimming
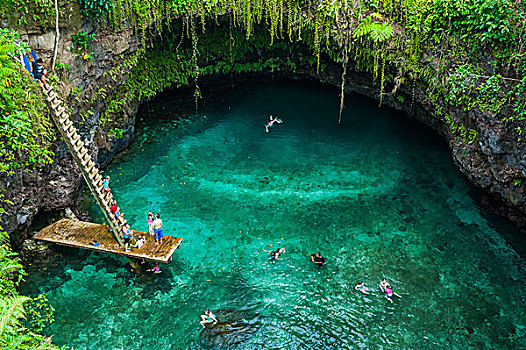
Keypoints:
pixel 272 121
pixel 361 287
pixel 389 293
pixel 274 254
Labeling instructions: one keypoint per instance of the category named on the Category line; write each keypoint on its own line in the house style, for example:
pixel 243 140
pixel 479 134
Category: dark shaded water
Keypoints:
pixel 378 197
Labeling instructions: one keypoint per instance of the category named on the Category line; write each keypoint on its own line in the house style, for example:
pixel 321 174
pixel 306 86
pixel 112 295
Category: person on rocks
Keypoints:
pixel 39 72
pixel 158 229
pixel 208 318
pixel 318 259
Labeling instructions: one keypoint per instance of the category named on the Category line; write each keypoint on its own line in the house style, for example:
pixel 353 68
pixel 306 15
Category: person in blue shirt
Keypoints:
pixel 126 234
pixel 106 184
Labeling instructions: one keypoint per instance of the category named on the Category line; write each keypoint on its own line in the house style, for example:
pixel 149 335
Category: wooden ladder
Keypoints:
pixel 80 153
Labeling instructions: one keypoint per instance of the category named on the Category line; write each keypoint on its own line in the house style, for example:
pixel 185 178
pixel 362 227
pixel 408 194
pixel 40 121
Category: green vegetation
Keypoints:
pixel 25 128
pixel 21 318
pixel 464 55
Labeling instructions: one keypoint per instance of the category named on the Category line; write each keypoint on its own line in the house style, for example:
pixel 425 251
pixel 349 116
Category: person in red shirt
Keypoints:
pixel 113 207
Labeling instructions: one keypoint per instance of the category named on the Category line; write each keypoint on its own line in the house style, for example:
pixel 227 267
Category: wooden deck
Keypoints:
pixel 80 234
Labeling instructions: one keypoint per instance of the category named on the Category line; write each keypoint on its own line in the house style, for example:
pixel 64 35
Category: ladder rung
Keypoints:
pixel 52 95
pixel 62 115
pixel 55 105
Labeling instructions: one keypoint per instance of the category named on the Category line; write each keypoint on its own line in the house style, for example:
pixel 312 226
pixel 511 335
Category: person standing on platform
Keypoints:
pixel 150 223
pixel 126 234
pixel 158 229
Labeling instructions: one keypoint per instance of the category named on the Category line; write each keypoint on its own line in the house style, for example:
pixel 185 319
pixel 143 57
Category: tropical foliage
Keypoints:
pixel 15 330
pixel 25 128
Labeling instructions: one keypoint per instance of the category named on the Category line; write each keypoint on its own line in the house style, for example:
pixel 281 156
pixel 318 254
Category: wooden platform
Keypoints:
pixel 80 234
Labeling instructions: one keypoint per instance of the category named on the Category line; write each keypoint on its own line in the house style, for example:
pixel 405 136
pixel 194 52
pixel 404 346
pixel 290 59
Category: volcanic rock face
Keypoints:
pixel 231 330
pixel 495 162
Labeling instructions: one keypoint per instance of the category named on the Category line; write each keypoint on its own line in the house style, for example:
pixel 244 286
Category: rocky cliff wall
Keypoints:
pixel 492 163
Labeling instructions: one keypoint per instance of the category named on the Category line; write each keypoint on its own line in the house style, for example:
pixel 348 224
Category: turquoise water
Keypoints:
pixel 379 197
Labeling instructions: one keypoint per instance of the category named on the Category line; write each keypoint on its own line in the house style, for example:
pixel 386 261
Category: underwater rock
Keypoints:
pixel 231 330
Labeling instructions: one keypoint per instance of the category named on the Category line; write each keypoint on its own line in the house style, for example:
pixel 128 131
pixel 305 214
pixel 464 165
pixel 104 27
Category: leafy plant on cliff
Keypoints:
pixel 25 128
pixel 14 308
pixel 96 9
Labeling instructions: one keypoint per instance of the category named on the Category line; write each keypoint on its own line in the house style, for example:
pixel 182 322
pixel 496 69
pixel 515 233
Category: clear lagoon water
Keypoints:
pixel 379 196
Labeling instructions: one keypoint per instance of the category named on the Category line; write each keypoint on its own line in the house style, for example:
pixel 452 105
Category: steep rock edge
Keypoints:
pixel 491 163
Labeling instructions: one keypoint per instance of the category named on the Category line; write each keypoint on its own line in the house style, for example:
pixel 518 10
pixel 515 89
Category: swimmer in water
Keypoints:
pixel 272 121
pixel 274 254
pixel 361 287
pixel 389 293
pixel 383 284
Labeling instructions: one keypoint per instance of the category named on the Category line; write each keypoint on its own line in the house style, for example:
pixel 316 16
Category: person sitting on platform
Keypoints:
pixel 126 234
pixel 139 243
pixel 208 318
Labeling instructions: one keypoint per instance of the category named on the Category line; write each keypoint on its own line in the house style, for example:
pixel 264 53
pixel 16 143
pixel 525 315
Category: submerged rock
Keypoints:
pixel 231 330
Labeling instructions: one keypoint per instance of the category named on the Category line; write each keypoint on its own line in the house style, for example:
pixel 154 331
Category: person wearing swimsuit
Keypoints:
pixel 208 318
pixel 383 284
pixel 361 287
pixel 272 121
pixel 274 254
pixel 389 293
pixel 158 229
pixel 150 223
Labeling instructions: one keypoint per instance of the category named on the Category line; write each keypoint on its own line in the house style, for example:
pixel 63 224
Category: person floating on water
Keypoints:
pixel 274 254
pixel 361 287
pixel 389 293
pixel 208 318
pixel 383 284
pixel 158 229
pixel 155 269
pixel 318 259
pixel 272 121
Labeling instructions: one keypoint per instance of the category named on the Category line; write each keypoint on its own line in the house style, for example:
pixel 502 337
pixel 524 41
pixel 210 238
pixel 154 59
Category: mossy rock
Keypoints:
pixel 231 330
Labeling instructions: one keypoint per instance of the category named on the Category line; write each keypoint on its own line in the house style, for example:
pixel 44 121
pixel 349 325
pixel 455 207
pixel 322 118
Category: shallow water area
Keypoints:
pixel 379 196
